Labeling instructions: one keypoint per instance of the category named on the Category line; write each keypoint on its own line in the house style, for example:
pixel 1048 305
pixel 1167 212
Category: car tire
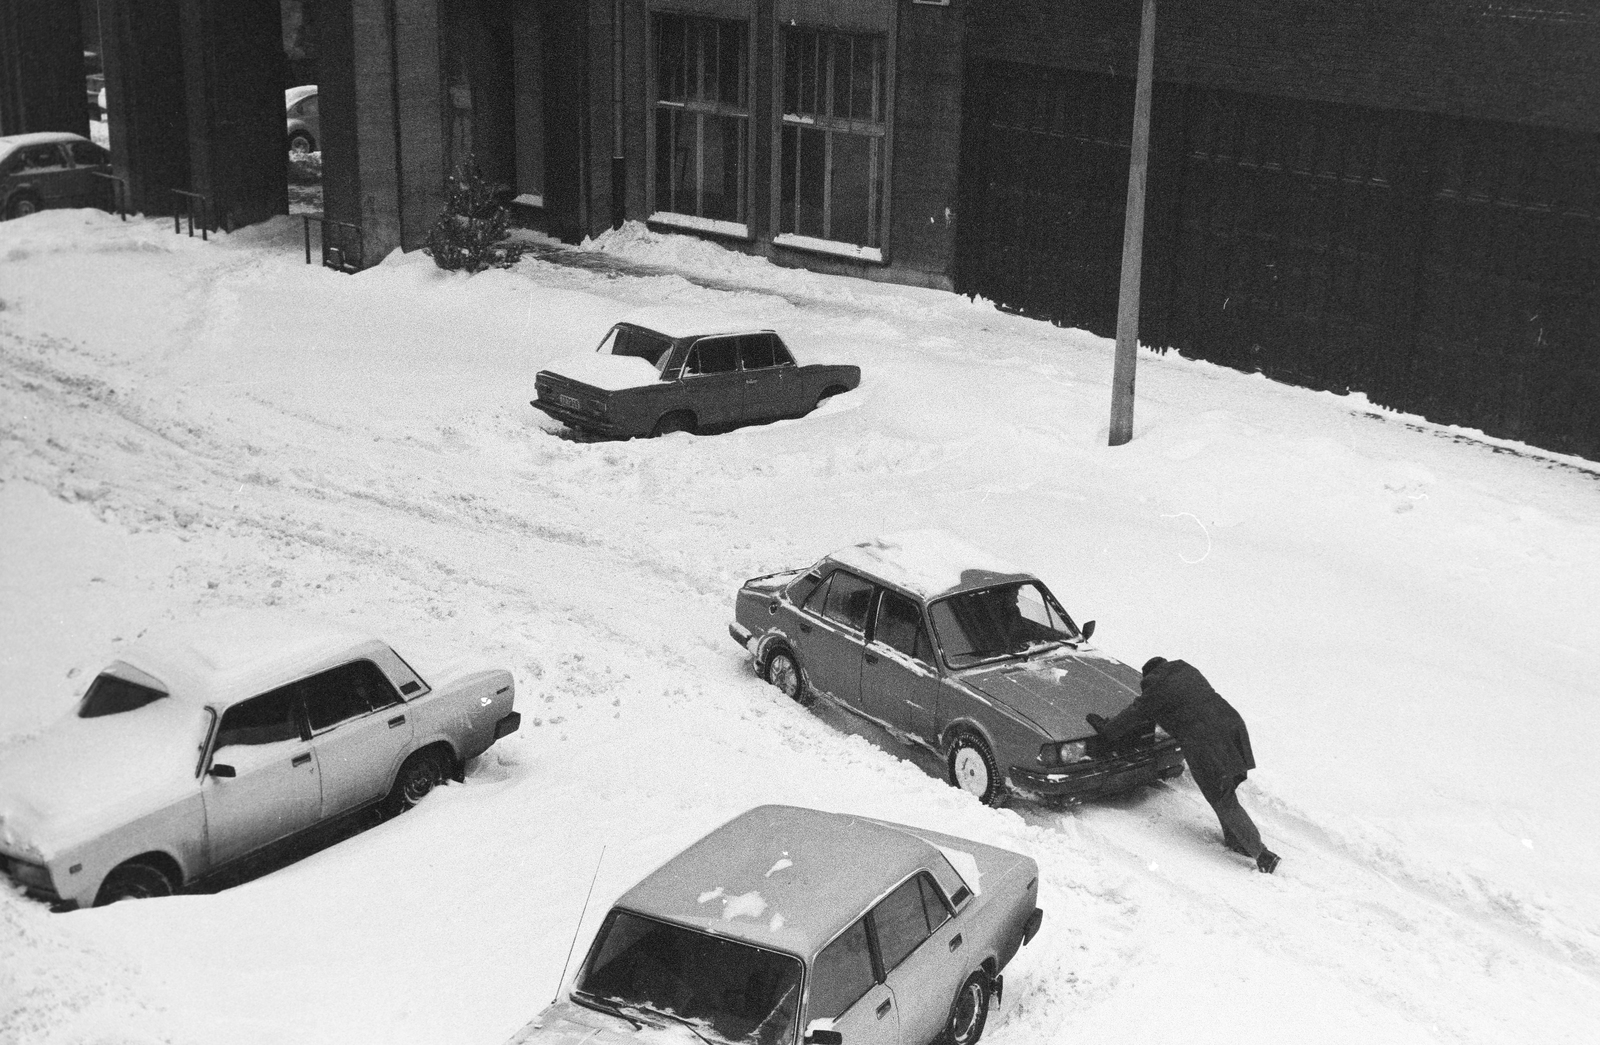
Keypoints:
pixel 22 205
pixel 828 393
pixel 134 880
pixel 973 769
pixel 969 1011
pixel 677 421
pixel 783 671
pixel 300 142
pixel 421 773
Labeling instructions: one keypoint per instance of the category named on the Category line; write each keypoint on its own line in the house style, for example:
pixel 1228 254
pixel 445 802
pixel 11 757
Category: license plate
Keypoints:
pixel 570 402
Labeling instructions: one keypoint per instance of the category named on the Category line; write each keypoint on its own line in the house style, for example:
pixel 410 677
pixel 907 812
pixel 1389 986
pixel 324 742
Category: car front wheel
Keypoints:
pixel 783 671
pixel 968 1012
pixel 300 144
pixel 677 421
pixel 134 881
pixel 973 769
pixel 22 206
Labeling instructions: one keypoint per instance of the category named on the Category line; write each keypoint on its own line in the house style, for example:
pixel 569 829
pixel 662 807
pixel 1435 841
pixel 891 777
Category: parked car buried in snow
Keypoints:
pixel 948 648
pixel 678 370
pixel 203 746
pixel 784 919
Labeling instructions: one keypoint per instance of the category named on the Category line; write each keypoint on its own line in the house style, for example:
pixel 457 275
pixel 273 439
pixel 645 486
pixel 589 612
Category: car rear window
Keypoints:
pixel 110 695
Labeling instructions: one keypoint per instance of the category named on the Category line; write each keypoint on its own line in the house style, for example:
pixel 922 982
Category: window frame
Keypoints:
pixel 653 104
pixel 924 880
pixel 879 254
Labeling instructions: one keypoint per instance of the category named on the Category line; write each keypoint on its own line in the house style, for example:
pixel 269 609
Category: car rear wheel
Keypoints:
pixel 421 773
pixel 22 206
pixel 300 143
pixel 783 671
pixel 968 1012
pixel 973 769
pixel 677 421
pixel 134 880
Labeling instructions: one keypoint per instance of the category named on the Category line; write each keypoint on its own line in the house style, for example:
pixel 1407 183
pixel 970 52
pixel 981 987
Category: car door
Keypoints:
pixel 713 381
pixel 899 685
pixel 275 788
pixel 360 730
pixel 771 380
pixel 833 633
pixel 846 988
pixel 89 161
pixel 45 169
pixel 923 953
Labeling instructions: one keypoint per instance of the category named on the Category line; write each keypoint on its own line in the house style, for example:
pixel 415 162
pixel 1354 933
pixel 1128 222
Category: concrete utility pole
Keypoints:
pixel 1133 238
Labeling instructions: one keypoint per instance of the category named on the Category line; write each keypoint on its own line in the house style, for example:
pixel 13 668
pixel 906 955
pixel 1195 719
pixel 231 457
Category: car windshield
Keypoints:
pixel 1005 620
pixel 647 345
pixel 722 989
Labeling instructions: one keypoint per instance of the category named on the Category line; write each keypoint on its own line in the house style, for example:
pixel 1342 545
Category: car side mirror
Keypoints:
pixel 222 770
pixel 1088 631
pixel 821 1032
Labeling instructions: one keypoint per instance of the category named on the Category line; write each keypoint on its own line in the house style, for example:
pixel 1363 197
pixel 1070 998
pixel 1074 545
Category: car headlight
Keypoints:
pixel 1064 754
pixel 35 875
pixel 1162 734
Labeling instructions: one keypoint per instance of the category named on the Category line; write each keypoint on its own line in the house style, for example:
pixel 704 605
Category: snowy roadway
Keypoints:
pixel 1406 619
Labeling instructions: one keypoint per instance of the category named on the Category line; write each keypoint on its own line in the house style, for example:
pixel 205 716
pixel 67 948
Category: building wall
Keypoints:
pixel 1515 62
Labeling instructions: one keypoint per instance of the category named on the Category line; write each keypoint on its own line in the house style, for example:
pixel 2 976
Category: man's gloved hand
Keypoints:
pixel 1097 721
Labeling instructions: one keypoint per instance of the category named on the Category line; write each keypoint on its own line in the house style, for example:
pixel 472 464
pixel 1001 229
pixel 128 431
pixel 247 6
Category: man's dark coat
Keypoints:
pixel 1214 739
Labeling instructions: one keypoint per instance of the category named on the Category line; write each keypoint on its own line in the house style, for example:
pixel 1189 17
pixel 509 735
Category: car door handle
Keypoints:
pixel 883 1010
pixel 398 720
pixel 300 760
pixel 871 658
pixel 955 942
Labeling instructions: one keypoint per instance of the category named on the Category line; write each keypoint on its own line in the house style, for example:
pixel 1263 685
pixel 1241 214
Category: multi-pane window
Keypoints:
pixel 702 118
pixel 833 158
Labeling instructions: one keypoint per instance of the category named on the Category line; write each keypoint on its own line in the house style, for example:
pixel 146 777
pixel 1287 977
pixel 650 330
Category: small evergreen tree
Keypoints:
pixel 471 230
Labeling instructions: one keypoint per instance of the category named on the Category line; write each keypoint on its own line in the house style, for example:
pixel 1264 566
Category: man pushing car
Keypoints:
pixel 1216 744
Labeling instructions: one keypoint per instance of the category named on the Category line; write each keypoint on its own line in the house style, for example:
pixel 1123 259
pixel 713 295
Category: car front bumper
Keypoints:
pixel 1102 776
pixel 576 418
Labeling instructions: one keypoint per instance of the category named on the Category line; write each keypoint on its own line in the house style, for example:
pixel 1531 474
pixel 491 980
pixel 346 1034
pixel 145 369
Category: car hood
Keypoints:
pixel 83 777
pixel 568 1023
pixel 605 371
pixel 1057 690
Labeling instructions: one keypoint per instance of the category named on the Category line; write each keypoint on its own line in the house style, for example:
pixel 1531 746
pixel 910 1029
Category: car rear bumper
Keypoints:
pixel 575 418
pixel 740 634
pixel 1106 776
pixel 508 724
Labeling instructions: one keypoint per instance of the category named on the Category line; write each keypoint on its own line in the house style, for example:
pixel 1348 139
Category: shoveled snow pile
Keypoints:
pixel 1404 614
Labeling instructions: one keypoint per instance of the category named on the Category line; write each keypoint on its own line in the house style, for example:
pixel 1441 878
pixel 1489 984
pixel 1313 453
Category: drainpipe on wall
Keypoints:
pixel 619 162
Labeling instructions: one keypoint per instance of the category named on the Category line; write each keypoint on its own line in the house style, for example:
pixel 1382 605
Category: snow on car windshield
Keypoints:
pixel 999 621
pixel 723 988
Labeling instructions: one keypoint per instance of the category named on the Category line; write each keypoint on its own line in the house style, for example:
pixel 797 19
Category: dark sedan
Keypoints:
pixel 675 370
pixel 948 649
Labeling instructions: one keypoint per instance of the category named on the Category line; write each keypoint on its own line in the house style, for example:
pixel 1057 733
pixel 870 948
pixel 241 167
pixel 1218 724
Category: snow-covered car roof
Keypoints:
pixel 294 94
pixel 680 322
pixel 12 142
pixel 220 661
pixel 781 876
pixel 928 563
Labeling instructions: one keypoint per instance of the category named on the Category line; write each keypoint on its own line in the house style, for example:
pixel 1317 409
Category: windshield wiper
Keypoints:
pixel 680 1019
pixel 608 1007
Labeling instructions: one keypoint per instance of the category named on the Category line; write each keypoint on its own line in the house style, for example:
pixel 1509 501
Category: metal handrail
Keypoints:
pixel 119 191
pixel 336 257
pixel 208 213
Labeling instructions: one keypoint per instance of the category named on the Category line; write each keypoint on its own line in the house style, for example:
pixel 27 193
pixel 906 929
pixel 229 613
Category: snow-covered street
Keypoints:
pixel 1405 614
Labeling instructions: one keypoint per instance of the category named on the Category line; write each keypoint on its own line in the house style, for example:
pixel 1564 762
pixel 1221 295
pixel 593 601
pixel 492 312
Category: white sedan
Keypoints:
pixel 210 743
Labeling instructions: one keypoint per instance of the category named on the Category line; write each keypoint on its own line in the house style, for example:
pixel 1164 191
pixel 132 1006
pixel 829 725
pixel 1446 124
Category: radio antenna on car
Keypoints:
pixel 579 928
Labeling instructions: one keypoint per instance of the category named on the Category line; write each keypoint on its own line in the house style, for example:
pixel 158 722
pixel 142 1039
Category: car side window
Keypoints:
pixel 849 597
pixel 346 692
pixel 713 355
pixel 933 903
pixel 758 351
pixel 41 157
pixel 818 597
pixel 267 719
pixel 780 354
pixel 899 626
pixel 841 974
pixel 87 154
pixel 901 920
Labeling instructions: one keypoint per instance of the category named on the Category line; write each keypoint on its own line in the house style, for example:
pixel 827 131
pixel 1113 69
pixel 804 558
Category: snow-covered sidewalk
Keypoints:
pixel 1407 621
